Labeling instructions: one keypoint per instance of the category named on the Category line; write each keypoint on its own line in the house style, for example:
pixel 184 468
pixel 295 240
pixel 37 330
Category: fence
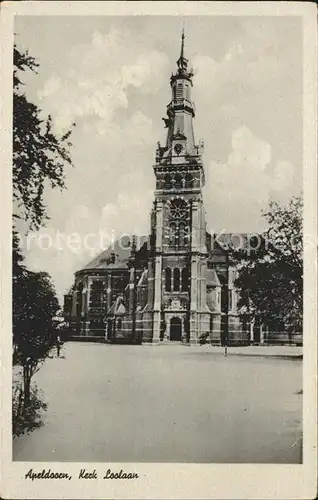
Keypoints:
pixel 283 338
pixel 233 337
pixel 261 336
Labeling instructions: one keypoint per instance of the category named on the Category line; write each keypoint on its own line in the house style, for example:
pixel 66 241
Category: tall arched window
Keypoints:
pixel 172 234
pixel 185 279
pixel 96 295
pixel 189 181
pixel 167 182
pixel 79 300
pixel 176 279
pixel 178 181
pixel 178 213
pixel 182 237
pixel 168 279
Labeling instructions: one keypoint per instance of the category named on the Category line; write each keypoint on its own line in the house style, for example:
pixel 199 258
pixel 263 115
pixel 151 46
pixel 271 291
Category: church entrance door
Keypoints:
pixel 176 330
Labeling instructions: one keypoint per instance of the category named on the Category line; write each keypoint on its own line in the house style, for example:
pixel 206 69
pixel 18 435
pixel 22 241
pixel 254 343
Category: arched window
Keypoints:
pixel 96 295
pixel 79 300
pixel 167 182
pixel 177 181
pixel 119 324
pixel 185 279
pixel 172 235
pixel 168 279
pixel 189 181
pixel 178 213
pixel 176 279
pixel 182 236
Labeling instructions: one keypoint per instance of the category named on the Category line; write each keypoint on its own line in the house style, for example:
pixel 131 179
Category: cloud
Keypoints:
pixel 252 59
pixel 238 190
pixel 285 181
pixel 249 149
pixel 110 190
pixel 99 77
pixel 256 80
pixel 110 87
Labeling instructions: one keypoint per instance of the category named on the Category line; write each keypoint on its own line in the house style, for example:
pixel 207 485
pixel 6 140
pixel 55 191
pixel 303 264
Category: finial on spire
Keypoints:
pixel 182 43
pixel 182 61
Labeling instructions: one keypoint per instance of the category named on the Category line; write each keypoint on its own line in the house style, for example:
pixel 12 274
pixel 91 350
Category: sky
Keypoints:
pixel 110 75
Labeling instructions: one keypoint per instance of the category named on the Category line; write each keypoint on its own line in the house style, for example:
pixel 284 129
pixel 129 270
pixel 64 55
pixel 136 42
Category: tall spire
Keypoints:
pixel 180 141
pixel 182 62
pixel 182 43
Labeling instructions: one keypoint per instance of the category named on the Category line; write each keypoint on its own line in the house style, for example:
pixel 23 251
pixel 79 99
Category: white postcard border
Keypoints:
pixel 169 480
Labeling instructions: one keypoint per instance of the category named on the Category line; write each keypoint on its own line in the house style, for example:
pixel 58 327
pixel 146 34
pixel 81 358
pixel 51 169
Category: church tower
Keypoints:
pixel 177 309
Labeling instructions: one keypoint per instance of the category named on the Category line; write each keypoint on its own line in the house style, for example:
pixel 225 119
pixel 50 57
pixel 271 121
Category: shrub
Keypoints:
pixel 204 338
pixel 26 418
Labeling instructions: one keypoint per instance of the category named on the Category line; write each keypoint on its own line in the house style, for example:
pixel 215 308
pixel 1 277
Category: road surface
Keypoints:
pixel 110 403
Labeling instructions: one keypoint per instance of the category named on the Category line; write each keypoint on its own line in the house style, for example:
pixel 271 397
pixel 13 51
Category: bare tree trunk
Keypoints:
pixel 26 384
pixel 20 403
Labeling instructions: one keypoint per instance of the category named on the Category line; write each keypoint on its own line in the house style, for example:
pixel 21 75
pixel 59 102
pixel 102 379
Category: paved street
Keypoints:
pixel 166 404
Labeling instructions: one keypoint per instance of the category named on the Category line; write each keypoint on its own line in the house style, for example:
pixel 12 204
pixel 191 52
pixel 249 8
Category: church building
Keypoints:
pixel 177 283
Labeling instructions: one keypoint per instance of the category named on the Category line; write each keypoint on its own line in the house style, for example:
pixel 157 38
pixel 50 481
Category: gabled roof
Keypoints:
pixel 226 241
pixel 143 278
pixel 117 254
pixel 118 308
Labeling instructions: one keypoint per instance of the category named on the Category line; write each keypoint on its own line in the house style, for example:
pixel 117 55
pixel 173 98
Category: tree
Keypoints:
pixel 39 160
pixel 34 308
pixel 39 156
pixel 270 275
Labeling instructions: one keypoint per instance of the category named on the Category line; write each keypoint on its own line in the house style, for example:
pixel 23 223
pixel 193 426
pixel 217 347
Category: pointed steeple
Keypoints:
pixel 182 62
pixel 180 141
pixel 182 43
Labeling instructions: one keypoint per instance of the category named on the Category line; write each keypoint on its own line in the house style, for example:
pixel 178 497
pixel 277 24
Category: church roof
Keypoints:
pixel 235 241
pixel 117 254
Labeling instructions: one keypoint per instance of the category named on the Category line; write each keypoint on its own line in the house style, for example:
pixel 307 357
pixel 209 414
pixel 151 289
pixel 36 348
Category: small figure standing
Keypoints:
pixel 58 345
pixel 225 346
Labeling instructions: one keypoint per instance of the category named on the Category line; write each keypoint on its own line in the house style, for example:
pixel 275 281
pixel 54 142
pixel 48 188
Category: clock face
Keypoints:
pixel 178 211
